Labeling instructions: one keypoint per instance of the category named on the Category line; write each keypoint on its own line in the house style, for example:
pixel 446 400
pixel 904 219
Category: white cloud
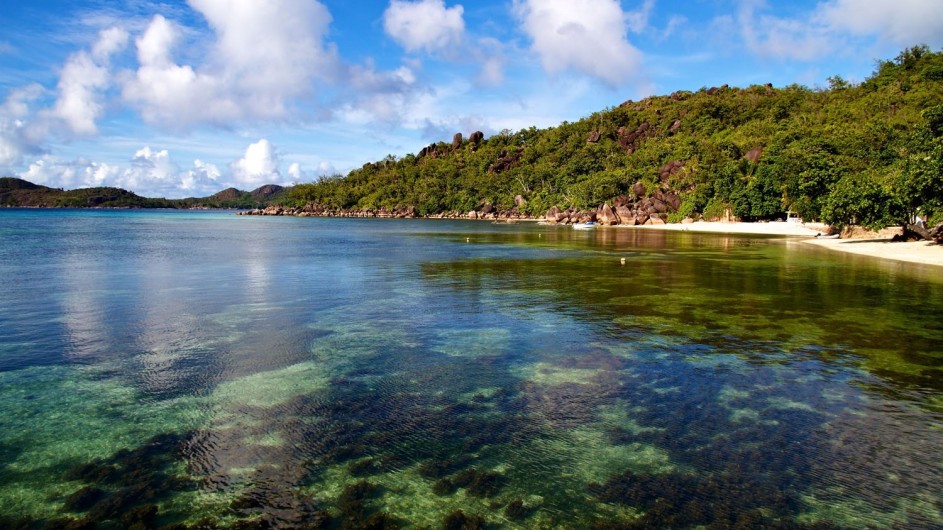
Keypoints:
pixel 295 172
pixel 264 58
pixel 202 179
pixel 153 167
pixel 151 173
pixel 110 41
pixel 379 95
pixel 16 137
pixel 81 173
pixel 259 165
pixel 79 104
pixel 637 21
pixel 902 22
pixel 674 23
pixel 81 82
pixel 272 50
pixel 326 168
pixel 424 25
pixel 832 27
pixel 788 38
pixel 493 60
pixel 430 26
pixel 168 93
pixel 297 175
pixel 588 36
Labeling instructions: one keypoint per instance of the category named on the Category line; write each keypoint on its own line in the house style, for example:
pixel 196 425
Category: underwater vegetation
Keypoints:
pixel 513 382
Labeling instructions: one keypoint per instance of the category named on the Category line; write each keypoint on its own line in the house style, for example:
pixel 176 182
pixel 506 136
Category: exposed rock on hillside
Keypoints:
pixel 631 139
pixel 266 191
pixel 505 161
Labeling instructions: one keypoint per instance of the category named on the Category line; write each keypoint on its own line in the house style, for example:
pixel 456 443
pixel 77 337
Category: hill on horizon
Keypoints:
pixel 17 192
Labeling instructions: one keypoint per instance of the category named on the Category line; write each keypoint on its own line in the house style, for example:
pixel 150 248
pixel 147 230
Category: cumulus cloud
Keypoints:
pixel 79 104
pixel 151 173
pixel 296 173
pixel 83 78
pixel 153 169
pixel 259 165
pixel 430 26
pixel 263 59
pixel 424 24
pixel 110 41
pixel 588 36
pixel 170 94
pixel 16 135
pixel 80 173
pixel 202 179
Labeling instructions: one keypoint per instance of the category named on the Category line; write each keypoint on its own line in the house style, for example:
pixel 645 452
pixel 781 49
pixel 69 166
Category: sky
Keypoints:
pixel 186 98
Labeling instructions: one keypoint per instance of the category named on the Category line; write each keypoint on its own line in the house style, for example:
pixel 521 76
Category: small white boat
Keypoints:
pixel 588 225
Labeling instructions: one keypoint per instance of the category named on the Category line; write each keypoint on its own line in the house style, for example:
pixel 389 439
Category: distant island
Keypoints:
pixel 868 154
pixel 19 193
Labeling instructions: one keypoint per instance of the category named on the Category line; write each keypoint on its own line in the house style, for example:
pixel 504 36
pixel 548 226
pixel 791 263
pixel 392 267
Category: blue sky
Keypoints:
pixel 185 98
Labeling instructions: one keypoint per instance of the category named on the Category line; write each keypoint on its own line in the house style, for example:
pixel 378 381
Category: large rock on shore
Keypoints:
pixel 936 233
pixel 625 215
pixel 606 216
pixel 554 215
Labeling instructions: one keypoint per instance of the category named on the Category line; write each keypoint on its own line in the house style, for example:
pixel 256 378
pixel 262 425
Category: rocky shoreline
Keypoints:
pixel 643 210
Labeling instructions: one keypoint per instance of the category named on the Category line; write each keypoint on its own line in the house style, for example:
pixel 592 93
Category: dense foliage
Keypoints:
pixel 869 154
pixel 16 192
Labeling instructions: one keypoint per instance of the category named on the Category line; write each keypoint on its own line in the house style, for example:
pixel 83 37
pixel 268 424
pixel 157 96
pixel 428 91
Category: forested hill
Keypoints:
pixel 868 153
pixel 16 192
pixel 20 193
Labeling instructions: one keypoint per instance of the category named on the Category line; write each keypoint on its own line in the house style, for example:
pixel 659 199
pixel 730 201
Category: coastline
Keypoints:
pixel 717 227
pixel 918 252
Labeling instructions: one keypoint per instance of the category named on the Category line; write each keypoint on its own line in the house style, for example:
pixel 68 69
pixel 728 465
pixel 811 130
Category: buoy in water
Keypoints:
pixel 622 261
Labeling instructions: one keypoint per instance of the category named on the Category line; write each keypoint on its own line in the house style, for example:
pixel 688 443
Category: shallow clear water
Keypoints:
pixel 211 370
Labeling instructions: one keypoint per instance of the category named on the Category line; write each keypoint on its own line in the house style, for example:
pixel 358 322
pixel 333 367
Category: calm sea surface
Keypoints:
pixel 210 370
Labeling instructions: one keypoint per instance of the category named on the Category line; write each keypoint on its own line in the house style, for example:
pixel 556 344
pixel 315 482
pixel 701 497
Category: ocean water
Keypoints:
pixel 204 370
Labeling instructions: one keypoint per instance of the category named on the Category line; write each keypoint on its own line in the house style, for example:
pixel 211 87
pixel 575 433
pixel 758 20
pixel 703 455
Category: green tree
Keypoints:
pixel 860 201
pixel 919 187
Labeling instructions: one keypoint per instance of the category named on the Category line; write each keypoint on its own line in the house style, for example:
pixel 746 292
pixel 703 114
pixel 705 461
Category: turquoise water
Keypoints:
pixel 202 370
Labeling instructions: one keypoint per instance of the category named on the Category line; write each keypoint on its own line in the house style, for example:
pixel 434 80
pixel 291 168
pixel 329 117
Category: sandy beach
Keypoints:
pixel 923 252
pixel 772 229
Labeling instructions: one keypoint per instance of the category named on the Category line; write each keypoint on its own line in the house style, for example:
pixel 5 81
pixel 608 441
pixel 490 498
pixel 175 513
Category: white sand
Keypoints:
pixel 774 229
pixel 922 252
pixel 912 251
